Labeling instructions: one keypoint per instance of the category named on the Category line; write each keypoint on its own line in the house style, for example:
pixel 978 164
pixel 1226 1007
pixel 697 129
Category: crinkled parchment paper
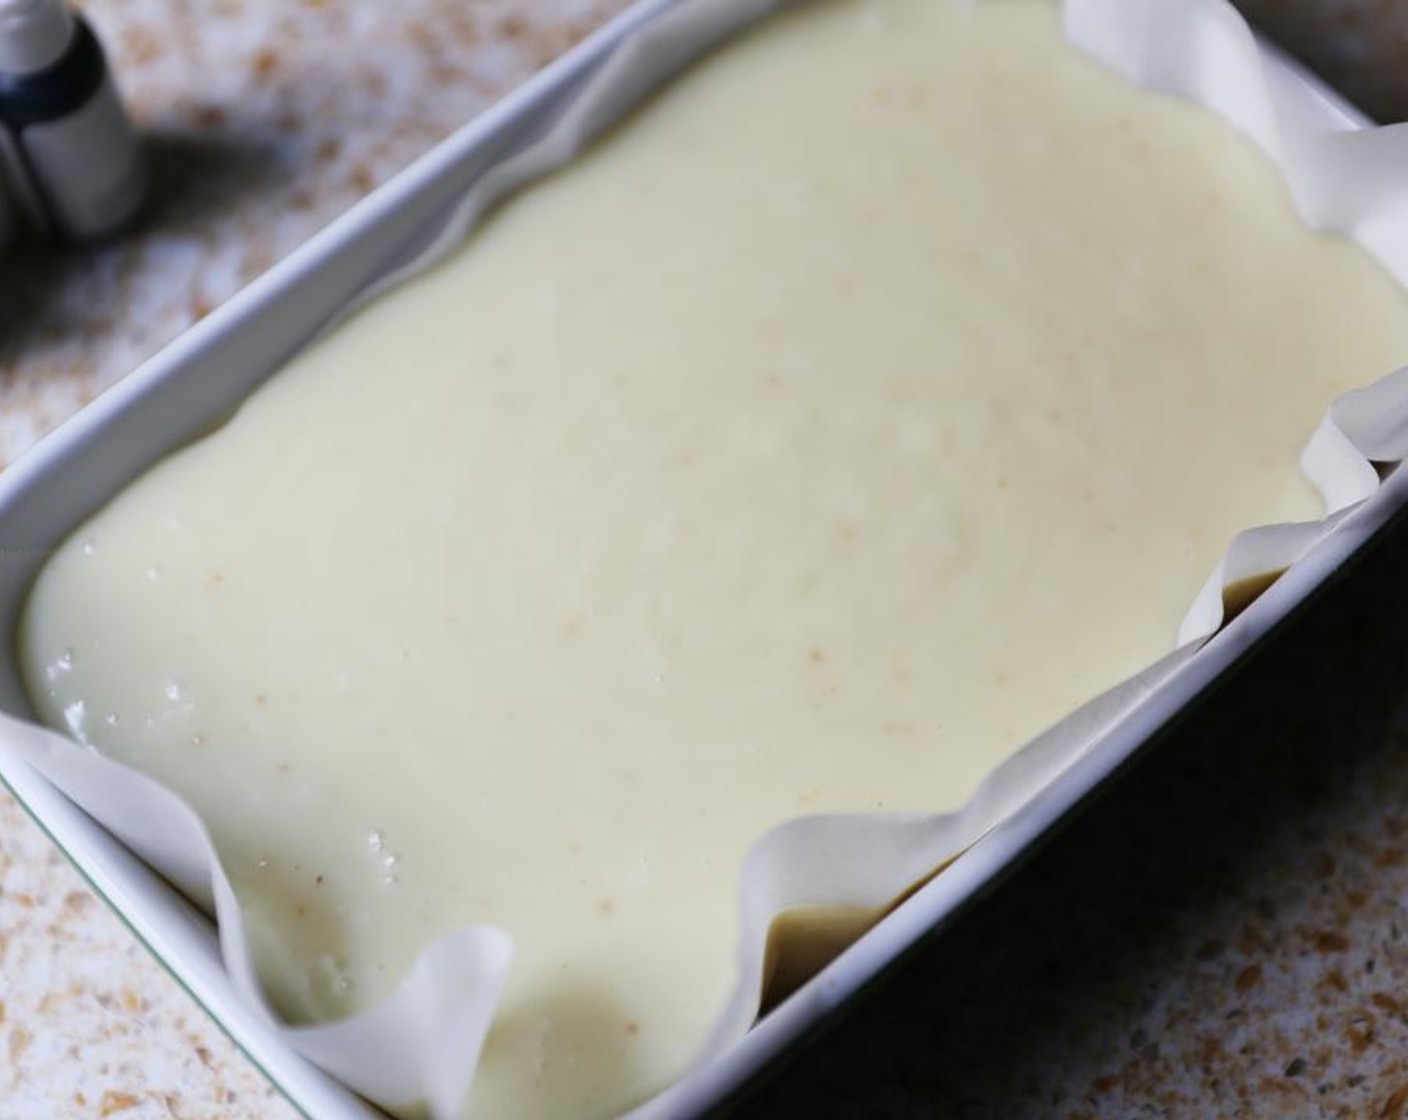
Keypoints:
pixel 417 1050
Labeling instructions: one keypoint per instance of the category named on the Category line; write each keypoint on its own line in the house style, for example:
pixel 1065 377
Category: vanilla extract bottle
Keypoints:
pixel 67 147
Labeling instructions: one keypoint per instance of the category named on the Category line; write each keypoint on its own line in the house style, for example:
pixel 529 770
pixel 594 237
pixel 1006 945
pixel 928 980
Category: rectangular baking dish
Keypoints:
pixel 192 385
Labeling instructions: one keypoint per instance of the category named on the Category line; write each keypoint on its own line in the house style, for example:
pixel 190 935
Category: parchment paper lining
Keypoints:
pixel 417 1050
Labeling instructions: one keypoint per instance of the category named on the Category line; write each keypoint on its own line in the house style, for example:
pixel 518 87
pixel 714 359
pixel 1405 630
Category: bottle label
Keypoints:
pixel 87 166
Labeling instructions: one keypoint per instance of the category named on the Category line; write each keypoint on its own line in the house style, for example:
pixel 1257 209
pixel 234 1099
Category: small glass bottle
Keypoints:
pixel 70 150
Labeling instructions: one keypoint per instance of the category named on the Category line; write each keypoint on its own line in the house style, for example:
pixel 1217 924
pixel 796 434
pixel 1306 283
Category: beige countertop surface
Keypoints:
pixel 1224 934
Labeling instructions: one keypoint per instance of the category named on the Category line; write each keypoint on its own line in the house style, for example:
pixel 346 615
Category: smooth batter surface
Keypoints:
pixel 876 396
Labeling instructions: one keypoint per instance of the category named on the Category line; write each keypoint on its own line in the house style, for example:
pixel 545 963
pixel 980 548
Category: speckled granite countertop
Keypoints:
pixel 1223 934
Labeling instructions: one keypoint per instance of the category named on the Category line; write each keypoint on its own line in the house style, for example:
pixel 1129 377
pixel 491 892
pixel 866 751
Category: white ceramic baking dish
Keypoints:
pixel 196 382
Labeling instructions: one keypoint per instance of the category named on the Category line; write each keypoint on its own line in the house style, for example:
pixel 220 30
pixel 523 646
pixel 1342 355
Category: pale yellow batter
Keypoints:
pixel 877 395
